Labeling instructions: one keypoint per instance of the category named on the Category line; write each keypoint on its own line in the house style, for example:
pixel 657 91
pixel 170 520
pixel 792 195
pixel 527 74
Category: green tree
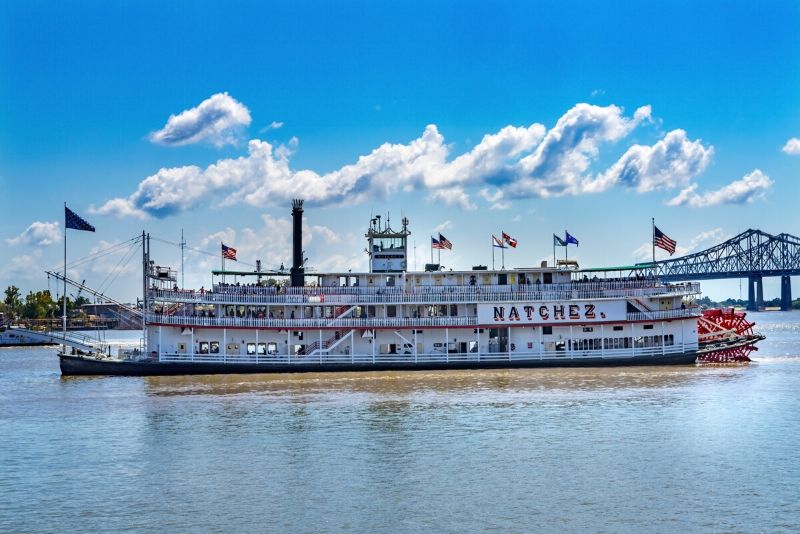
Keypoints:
pixel 12 301
pixel 39 305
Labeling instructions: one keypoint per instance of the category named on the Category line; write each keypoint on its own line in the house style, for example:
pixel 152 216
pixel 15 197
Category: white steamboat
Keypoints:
pixel 393 318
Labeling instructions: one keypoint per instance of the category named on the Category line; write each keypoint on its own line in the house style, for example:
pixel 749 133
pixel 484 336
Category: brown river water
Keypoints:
pixel 656 449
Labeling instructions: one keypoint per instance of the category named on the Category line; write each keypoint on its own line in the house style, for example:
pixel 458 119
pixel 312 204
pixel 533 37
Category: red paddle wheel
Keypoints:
pixel 725 336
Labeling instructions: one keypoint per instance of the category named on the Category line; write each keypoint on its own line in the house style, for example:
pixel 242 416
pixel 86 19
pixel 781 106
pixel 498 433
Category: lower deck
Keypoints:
pixel 434 345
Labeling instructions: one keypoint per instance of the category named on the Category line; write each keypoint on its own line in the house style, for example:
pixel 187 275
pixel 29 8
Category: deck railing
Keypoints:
pixel 437 294
pixel 436 357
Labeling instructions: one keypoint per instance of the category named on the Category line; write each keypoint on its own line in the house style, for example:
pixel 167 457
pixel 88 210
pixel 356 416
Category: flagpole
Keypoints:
pixel 554 250
pixel 64 311
pixel 653 240
pixel 431 250
pixel 493 253
pixel 503 250
pixel 222 255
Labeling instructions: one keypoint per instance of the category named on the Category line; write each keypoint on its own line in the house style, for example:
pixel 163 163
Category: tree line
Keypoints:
pixel 38 305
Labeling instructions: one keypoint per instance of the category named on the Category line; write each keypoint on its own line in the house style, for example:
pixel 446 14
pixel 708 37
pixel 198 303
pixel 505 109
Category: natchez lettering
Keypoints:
pixel 558 312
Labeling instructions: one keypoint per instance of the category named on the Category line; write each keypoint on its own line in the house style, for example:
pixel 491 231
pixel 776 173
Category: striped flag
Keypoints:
pixel 497 243
pixel 510 240
pixel 229 253
pixel 435 243
pixel 661 240
pixel 445 242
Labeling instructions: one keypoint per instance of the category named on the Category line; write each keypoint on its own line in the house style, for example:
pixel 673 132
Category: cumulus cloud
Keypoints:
pixel 792 147
pixel 515 162
pixel 748 189
pixel 671 162
pixel 271 242
pixel 38 233
pixel 219 120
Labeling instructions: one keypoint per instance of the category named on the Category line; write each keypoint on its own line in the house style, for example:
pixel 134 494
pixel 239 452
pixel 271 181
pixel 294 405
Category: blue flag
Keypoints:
pixel 570 239
pixel 75 222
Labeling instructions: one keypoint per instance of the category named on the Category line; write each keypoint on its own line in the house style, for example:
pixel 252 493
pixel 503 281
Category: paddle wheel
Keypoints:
pixel 726 336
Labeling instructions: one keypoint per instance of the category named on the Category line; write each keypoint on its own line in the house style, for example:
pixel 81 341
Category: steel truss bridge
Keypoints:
pixel 753 254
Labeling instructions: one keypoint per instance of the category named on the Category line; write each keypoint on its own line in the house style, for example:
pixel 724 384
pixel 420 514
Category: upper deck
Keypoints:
pixel 425 293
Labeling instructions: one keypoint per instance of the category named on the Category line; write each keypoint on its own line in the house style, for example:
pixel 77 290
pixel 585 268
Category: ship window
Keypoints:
pixel 203 347
pixel 617 328
pixel 648 327
pixel 272 348
pixel 547 330
pixel 588 329
pixel 453 310
pixel 251 349
pixel 262 348
pixel 215 347
pixel 472 346
pixel 388 348
pixel 669 339
pixel 390 281
pixel 391 311
pixel 560 346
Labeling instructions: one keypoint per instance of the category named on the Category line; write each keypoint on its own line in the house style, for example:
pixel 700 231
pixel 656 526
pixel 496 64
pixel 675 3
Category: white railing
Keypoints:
pixel 364 322
pixel 422 294
pixel 437 357
pixel 664 314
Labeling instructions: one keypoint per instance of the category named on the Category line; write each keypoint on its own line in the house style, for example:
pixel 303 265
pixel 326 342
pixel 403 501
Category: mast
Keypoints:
pixel 183 246
pixel 64 310
pixel 144 287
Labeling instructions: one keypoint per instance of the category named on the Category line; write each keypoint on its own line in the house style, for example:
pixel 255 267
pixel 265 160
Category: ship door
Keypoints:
pixel 548 278
pixel 498 340
pixel 502 279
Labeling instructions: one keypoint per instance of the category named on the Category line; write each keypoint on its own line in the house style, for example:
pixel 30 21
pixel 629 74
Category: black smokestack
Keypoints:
pixel 297 272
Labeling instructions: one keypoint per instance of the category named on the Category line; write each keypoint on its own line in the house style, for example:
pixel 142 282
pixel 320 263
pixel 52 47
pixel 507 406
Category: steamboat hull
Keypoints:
pixel 89 366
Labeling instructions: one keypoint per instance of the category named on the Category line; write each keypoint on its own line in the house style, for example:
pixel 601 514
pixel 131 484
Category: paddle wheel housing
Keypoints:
pixel 726 336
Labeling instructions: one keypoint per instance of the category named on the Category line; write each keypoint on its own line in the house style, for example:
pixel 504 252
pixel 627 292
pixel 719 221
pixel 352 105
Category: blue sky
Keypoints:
pixel 602 115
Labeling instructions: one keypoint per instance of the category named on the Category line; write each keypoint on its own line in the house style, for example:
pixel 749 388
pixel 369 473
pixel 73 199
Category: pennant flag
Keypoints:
pixel 497 243
pixel 510 240
pixel 558 242
pixel 445 242
pixel 229 253
pixel 75 222
pixel 435 243
pixel 661 240
pixel 570 239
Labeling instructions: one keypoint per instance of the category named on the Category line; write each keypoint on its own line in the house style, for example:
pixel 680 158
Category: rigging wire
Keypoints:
pixel 207 253
pixel 118 268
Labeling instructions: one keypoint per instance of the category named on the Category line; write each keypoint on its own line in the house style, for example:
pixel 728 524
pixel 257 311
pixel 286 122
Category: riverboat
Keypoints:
pixel 391 318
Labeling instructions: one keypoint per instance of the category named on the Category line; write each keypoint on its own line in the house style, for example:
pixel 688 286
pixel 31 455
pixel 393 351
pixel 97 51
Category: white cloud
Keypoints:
pixel 514 163
pixel 274 125
pixel 272 243
pixel 38 233
pixel 671 162
pixel 443 226
pixel 23 267
pixel 792 147
pixel 748 189
pixel 219 120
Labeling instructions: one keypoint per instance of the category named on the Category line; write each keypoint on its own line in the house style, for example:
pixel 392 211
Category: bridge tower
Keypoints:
pixel 755 292
pixel 786 293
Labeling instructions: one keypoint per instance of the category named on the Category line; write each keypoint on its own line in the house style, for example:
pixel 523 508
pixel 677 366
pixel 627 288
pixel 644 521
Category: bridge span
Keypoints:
pixel 753 254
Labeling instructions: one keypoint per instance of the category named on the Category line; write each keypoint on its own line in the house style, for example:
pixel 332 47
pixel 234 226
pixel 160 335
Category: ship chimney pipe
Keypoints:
pixel 297 272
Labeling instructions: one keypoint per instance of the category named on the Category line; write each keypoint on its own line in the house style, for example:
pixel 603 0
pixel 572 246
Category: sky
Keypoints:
pixel 469 118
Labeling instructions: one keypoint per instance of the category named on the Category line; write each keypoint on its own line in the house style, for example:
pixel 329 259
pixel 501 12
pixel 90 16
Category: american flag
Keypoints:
pixel 661 240
pixel 435 243
pixel 510 240
pixel 229 253
pixel 445 242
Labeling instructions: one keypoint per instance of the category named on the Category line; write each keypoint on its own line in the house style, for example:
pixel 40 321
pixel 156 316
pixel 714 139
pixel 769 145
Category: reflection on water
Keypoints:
pixel 613 449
